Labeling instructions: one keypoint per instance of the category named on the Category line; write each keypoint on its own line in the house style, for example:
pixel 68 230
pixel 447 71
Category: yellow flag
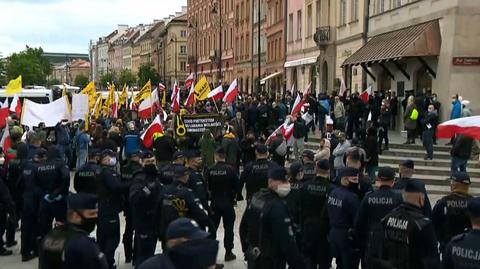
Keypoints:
pixel 164 98
pixel 14 86
pixel 202 89
pixel 123 96
pixel 91 91
pixel 87 121
pixel 64 92
pixel 111 96
pixel 98 107
pixel 145 92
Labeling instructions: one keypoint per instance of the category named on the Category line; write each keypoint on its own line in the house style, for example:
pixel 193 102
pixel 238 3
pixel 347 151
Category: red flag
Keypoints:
pixel 6 142
pixel 191 96
pixel 16 106
pixel 365 95
pixel 176 98
pixel 297 105
pixel 232 92
pixel 216 94
pixel 468 126
pixel 343 87
pixel 189 81
pixel 153 130
pixel 4 113
pixel 149 105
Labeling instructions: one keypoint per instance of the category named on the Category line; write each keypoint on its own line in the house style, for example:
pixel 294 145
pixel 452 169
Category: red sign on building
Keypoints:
pixel 466 61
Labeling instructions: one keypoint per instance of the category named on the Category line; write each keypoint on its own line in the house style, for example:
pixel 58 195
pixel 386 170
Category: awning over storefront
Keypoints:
pixel 263 80
pixel 415 41
pixel 304 61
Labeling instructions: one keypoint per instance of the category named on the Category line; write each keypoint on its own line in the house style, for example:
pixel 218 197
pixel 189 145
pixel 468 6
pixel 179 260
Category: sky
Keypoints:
pixel 69 25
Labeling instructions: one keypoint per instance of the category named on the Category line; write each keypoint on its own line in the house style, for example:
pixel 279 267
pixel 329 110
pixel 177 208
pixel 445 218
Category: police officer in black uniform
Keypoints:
pixel 409 236
pixel 195 181
pixel 308 158
pixel 223 183
pixel 144 195
pixel 53 180
pixel 464 250
pixel 313 198
pixel 255 174
pixel 295 177
pixel 406 170
pixel 354 160
pixel 342 207
pixel 31 199
pixel 450 215
pixel 69 245
pixel 132 166
pixel 373 208
pixel 168 171
pixel 7 214
pixel 266 230
pixel 85 176
pixel 177 201
pixel 109 189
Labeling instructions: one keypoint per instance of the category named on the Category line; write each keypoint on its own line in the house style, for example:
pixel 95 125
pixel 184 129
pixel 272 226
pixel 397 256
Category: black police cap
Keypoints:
pixel 40 153
pixel 220 151
pixel 347 172
pixel 461 177
pixel 136 153
pixel 408 164
pixel 108 152
pixel 323 164
pixel 147 154
pixel 93 152
pixel 261 148
pixel 81 201
pixel 277 173
pixel 474 207
pixel 185 228
pixel 413 186
pixel 178 155
pixel 295 168
pixel 193 154
pixel 309 154
pixel 180 171
pixel 386 173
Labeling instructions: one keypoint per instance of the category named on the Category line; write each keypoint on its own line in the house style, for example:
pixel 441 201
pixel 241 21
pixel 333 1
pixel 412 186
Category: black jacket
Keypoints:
pixel 462 147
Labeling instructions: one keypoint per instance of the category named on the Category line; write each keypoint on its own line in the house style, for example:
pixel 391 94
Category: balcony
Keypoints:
pixel 322 36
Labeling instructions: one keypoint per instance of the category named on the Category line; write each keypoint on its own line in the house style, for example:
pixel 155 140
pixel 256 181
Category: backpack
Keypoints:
pixel 414 114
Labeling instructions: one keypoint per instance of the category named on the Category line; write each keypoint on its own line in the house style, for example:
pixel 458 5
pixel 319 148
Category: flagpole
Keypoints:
pixel 216 105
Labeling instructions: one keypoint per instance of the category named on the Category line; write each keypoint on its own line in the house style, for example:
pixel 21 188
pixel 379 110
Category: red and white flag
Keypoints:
pixel 468 126
pixel 216 94
pixel 287 131
pixel 297 105
pixel 6 142
pixel 343 87
pixel 4 113
pixel 307 90
pixel 16 106
pixel 154 129
pixel 149 105
pixel 176 98
pixel 365 95
pixel 189 81
pixel 232 93
pixel 191 96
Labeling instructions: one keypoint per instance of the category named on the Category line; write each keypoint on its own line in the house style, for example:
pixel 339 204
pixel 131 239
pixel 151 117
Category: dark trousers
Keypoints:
pixel 315 246
pixel 459 164
pixel 427 141
pixel 353 125
pixel 29 227
pixel 145 243
pixel 48 212
pixel 223 209
pixel 382 135
pixel 127 238
pixel 410 136
pixel 108 237
pixel 342 249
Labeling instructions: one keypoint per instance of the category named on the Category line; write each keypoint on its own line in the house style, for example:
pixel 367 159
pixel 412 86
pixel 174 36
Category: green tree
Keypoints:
pixel 126 77
pixel 54 82
pixel 3 73
pixel 146 72
pixel 106 78
pixel 29 63
pixel 81 80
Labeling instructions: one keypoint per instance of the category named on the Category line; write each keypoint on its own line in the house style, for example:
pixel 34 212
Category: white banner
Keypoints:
pixel 50 114
pixel 79 106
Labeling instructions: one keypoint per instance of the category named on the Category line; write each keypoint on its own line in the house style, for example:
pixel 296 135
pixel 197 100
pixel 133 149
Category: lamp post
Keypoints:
pixel 194 28
pixel 217 9
pixel 174 40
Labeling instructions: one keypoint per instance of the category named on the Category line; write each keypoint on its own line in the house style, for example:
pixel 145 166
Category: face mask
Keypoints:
pixel 283 190
pixel 113 161
pixel 88 224
pixel 150 169
pixel 64 123
pixel 2 160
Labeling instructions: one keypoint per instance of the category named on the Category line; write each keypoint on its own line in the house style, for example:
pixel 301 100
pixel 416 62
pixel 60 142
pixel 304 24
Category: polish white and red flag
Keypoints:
pixel 307 90
pixel 232 93
pixel 468 126
pixel 4 113
pixel 287 131
pixel 189 81
pixel 191 96
pixel 343 87
pixel 297 105
pixel 149 105
pixel 154 129
pixel 216 94
pixel 6 141
pixel 16 106
pixel 365 95
pixel 176 98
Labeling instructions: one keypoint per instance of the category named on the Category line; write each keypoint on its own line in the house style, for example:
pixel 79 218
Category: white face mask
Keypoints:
pixel 283 190
pixel 113 161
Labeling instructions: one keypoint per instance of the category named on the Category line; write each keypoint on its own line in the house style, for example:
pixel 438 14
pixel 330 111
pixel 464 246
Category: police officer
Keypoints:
pixel 464 249
pixel 31 199
pixel 144 195
pixel 68 246
pixel 168 171
pixel 128 170
pixel 223 183
pixel 53 180
pixel 109 190
pixel 266 230
pixel 409 236
pixel 308 157
pixel 450 215
pixel 195 181
pixel 354 160
pixel 342 207
pixel 177 201
pixel 7 214
pixel 313 198
pixel 85 176
pixel 188 246
pixel 406 171
pixel 295 177
pixel 255 174
pixel 373 208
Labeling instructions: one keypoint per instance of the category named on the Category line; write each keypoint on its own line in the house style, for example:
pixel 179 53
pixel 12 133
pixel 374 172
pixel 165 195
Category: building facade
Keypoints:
pixel 274 82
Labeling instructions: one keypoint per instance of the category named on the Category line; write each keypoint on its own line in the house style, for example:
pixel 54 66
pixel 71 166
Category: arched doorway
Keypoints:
pixel 324 77
pixel 424 80
pixel 313 78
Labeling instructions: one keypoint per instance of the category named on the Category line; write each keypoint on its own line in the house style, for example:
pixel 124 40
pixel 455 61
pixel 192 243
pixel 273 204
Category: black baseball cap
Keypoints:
pixel 408 164
pixel 347 172
pixel 178 155
pixel 277 173
pixel 108 152
pixel 185 228
pixel 386 173
pixel 295 168
pixel 323 164
pixel 93 152
pixel 147 154
pixel 413 186
pixel 309 154
pixel 261 148
pixel 80 201
pixel 461 177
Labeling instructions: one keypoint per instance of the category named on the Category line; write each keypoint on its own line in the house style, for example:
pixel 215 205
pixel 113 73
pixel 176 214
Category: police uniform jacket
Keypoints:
pixel 463 251
pixel 85 178
pixel 110 190
pixel 197 185
pixel 309 171
pixel 255 176
pixel 53 177
pixel 342 208
pixel 222 182
pixel 144 195
pixel 400 185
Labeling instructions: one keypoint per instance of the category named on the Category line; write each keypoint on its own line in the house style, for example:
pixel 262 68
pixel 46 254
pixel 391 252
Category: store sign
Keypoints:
pixel 466 61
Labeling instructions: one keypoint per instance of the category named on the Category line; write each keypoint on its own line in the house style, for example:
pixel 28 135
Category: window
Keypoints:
pixel 318 12
pixel 290 27
pixel 237 15
pixel 225 40
pixel 183 49
pixel 183 66
pixel 309 20
pixel 231 37
pixel 343 12
pixel 247 46
pixel 241 48
pixel 242 9
pixel 183 33
pixel 354 10
pixel 299 24
pixel 247 10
